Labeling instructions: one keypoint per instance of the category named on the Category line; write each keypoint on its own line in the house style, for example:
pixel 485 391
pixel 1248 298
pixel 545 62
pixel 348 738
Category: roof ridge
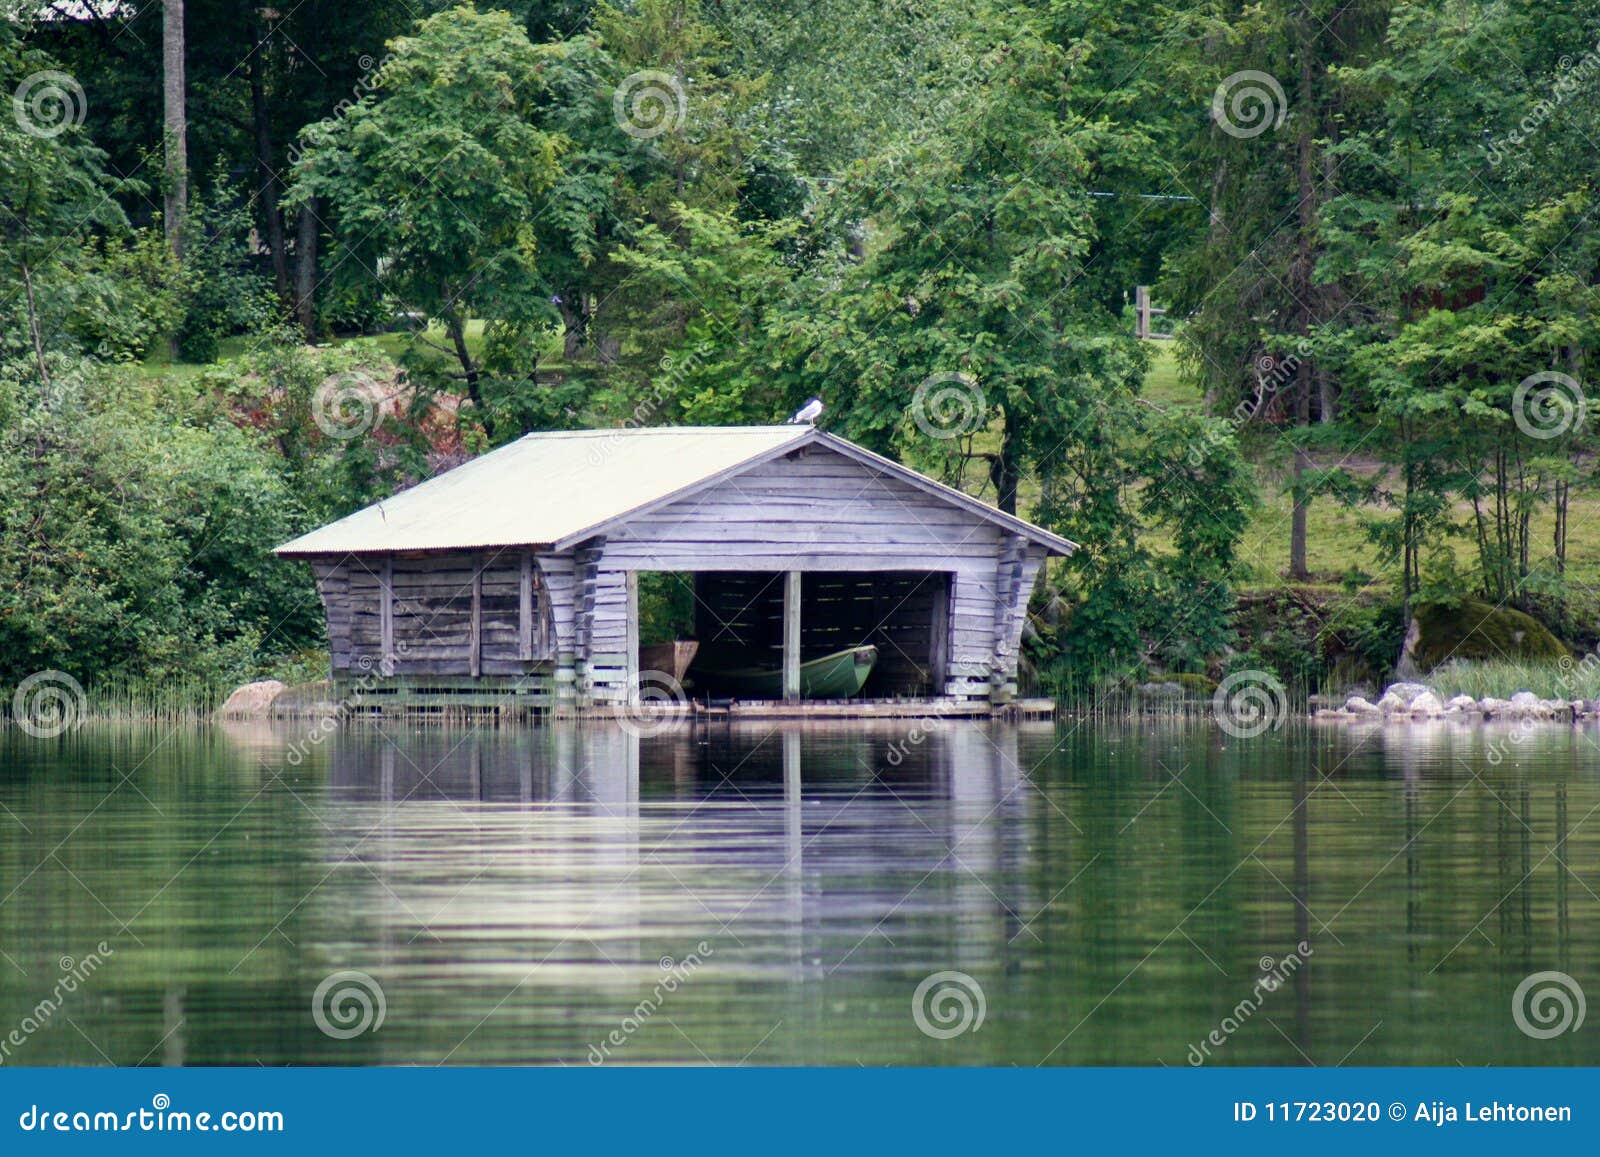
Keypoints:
pixel 614 431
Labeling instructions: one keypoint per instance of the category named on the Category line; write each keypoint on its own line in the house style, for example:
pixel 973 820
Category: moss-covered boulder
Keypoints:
pixel 1197 686
pixel 1473 629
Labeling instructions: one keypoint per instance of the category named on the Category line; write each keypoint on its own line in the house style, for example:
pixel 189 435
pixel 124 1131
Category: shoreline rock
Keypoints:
pixel 252 701
pixel 1407 702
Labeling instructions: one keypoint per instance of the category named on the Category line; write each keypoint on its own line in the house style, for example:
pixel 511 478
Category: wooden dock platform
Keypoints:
pixel 830 709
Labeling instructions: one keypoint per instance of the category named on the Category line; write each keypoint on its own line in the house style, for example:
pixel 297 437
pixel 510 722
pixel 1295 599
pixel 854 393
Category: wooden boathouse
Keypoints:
pixel 513 581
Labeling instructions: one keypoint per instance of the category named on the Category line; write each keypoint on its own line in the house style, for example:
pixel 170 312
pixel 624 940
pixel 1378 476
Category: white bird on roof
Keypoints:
pixel 808 413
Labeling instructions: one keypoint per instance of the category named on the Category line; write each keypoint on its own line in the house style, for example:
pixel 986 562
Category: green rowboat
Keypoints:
pixel 836 676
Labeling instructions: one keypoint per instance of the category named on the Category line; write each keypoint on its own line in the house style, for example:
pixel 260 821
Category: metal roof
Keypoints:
pixel 552 490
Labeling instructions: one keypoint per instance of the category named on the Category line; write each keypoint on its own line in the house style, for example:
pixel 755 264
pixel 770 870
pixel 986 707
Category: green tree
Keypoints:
pixel 55 197
pixel 962 333
pixel 437 178
pixel 1475 254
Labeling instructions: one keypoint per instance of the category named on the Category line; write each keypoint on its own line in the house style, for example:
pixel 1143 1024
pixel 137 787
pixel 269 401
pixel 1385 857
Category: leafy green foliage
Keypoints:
pixel 438 177
pixel 133 544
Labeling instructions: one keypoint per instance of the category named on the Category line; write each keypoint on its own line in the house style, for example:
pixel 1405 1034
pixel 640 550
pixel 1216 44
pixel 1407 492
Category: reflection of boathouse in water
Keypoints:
pixel 613 767
pixel 824 580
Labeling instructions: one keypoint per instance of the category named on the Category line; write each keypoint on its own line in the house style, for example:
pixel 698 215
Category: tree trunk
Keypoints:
pixel 175 123
pixel 1297 523
pixel 469 371
pixel 574 332
pixel 305 270
pixel 469 368
pixel 1300 284
pixel 1411 565
pixel 1327 397
pixel 1298 570
pixel 269 187
pixel 35 334
pixel 1004 470
pixel 1563 497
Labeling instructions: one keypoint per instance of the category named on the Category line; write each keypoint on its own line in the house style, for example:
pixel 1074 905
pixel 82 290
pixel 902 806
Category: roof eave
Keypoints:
pixel 407 551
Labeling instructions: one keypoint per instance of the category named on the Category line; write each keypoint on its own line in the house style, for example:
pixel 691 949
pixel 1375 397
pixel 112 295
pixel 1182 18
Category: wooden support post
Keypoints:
pixel 791 636
pixel 475 638
pixel 939 643
pixel 386 618
pixel 541 638
pixel 1010 601
pixel 525 608
pixel 630 646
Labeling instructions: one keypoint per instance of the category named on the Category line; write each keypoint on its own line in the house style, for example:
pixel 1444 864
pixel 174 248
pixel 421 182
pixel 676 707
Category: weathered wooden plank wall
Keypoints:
pixel 459 614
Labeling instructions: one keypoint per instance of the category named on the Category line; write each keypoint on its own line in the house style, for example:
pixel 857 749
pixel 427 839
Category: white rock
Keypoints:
pixel 1427 706
pixel 1464 703
pixel 1527 705
pixel 253 699
pixel 1391 703
pixel 1356 705
pixel 1406 692
pixel 1492 706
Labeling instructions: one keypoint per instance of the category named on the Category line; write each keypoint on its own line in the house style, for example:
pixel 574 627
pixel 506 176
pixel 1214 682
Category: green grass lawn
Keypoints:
pixel 1336 541
pixel 1162 383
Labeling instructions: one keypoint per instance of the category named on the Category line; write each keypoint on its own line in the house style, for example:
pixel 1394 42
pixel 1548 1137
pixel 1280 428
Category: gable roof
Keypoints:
pixel 553 490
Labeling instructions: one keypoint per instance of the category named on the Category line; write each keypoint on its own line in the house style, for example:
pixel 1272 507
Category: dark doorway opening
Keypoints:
pixel 738 621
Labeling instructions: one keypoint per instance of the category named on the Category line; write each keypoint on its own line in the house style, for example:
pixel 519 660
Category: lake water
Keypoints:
pixel 1103 894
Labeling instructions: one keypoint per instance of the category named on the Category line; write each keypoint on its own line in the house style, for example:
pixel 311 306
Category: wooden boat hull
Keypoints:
pixel 840 675
pixel 672 659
